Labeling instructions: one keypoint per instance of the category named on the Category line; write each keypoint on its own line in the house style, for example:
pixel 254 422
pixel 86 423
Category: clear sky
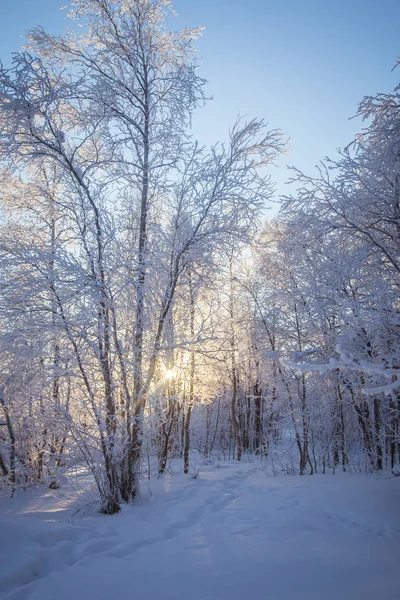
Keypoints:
pixel 303 65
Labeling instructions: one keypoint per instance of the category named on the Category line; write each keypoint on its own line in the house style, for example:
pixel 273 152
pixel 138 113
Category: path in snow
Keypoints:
pixel 231 534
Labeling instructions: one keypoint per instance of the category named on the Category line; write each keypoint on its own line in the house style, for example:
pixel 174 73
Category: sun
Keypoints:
pixel 170 373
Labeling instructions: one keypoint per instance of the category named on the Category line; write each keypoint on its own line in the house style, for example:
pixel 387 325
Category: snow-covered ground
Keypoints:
pixel 232 533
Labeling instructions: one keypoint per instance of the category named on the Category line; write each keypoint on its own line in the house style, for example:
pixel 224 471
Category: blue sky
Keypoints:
pixel 302 65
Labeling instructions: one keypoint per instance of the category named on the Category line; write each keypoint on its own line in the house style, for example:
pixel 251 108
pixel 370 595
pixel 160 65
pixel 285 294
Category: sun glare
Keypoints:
pixel 170 373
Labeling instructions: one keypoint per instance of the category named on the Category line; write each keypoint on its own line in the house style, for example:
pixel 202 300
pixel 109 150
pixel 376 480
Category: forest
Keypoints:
pixel 150 311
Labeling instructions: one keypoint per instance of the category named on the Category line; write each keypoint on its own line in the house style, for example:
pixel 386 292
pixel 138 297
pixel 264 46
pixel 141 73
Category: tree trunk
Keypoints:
pixel 191 382
pixel 11 454
pixel 234 379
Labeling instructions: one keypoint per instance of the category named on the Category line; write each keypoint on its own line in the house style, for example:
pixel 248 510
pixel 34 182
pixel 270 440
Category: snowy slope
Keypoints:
pixel 232 533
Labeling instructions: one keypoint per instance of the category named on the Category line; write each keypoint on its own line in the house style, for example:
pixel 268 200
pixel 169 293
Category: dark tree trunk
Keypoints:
pixel 191 381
